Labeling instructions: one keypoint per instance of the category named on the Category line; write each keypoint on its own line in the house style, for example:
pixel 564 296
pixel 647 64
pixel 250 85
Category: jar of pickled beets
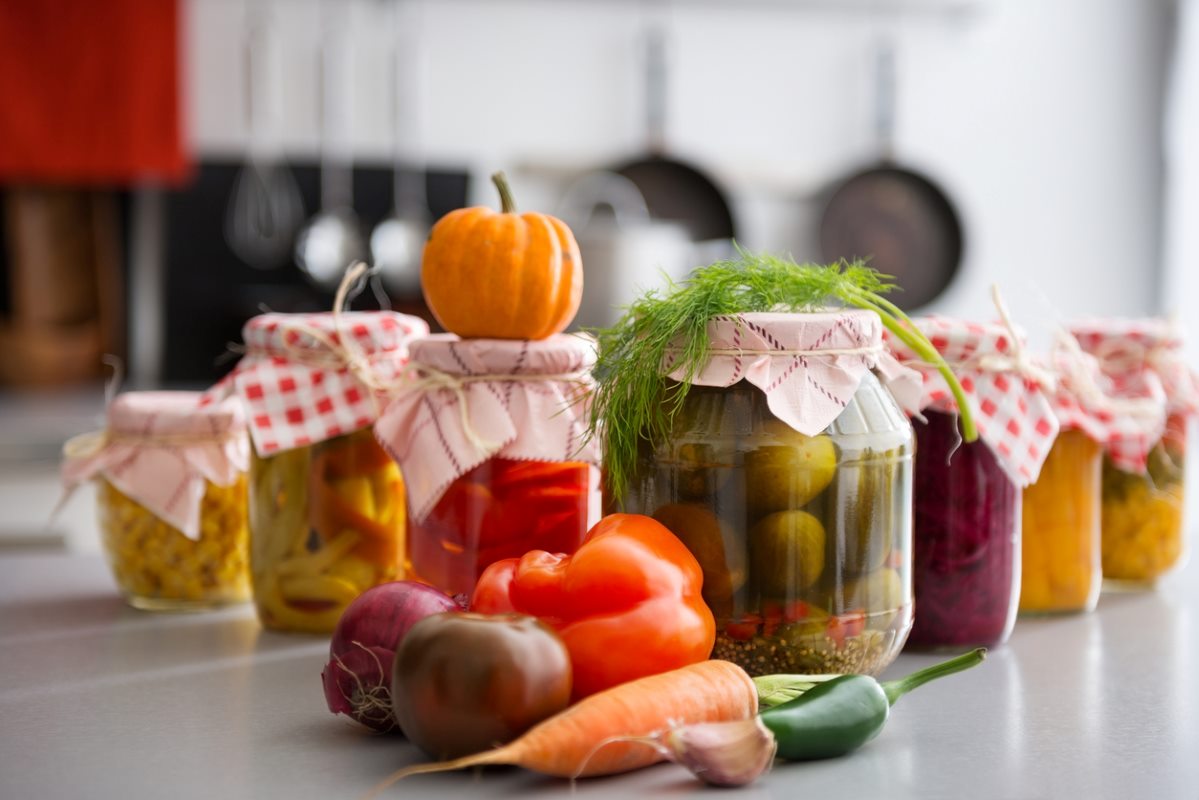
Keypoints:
pixel 490 435
pixel 968 496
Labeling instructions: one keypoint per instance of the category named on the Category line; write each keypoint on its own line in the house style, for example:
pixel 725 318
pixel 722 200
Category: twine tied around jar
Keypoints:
pixel 1082 383
pixel 92 443
pixel 337 353
pixel 1117 356
pixel 1018 359
pixel 430 378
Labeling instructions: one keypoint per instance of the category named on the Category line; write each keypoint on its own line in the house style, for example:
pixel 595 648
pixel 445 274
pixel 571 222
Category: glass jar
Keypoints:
pixel 170 476
pixel 158 568
pixel 1060 569
pixel 502 508
pixel 804 541
pixel 491 434
pixel 1142 520
pixel 966 564
pixel 326 523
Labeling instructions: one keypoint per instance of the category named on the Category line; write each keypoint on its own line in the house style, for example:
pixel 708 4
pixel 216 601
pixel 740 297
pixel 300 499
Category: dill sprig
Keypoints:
pixel 634 403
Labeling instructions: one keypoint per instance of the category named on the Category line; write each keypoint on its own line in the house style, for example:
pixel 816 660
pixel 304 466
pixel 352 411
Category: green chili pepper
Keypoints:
pixel 839 716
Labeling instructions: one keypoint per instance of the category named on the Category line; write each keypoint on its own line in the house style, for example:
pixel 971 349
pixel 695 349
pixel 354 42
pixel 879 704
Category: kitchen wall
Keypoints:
pixel 1041 119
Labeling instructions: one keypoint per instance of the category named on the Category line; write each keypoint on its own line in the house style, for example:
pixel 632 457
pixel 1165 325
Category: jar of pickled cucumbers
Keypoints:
pixel 327 506
pixel 969 495
pixel 787 471
pixel 491 437
pixel 1143 530
pixel 171 496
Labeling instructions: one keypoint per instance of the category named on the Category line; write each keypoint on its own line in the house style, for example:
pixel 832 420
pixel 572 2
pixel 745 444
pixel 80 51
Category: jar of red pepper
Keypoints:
pixel 968 496
pixel 490 435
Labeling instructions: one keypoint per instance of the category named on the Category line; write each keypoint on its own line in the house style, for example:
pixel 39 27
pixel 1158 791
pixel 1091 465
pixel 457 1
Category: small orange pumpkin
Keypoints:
pixel 502 275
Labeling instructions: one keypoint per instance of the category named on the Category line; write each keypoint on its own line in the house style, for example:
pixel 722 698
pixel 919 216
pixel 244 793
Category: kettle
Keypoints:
pixel 625 251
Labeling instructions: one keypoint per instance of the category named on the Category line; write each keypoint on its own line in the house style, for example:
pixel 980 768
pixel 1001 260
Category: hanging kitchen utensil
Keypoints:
pixel 398 241
pixel 625 251
pixel 332 240
pixel 265 208
pixel 895 216
pixel 673 189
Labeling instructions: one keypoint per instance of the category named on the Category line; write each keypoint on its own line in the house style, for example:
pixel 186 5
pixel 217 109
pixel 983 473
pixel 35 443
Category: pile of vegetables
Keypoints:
pixel 541 690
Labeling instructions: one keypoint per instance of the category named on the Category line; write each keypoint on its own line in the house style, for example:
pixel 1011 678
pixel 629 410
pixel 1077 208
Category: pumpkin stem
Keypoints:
pixel 507 203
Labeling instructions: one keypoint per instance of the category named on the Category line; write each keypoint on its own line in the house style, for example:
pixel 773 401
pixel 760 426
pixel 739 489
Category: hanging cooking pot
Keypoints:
pixel 899 219
pixel 625 251
pixel 673 189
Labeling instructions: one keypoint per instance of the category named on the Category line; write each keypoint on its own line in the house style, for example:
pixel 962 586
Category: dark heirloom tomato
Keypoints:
pixel 463 683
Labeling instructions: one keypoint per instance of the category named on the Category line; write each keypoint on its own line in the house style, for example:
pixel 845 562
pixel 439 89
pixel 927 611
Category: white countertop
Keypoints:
pixel 98 700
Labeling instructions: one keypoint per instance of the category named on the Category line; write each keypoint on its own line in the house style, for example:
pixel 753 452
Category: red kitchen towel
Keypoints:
pixel 91 91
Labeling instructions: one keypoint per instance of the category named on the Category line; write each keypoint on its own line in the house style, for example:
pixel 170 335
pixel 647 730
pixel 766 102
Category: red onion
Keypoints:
pixel 357 678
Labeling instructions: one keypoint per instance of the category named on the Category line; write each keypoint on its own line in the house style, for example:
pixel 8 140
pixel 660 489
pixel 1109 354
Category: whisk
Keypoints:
pixel 265 208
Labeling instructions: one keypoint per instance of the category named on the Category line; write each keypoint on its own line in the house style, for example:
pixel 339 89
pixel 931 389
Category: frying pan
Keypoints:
pixel 896 217
pixel 673 189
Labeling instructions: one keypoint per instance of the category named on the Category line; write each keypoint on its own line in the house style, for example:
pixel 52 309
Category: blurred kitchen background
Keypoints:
pixel 170 168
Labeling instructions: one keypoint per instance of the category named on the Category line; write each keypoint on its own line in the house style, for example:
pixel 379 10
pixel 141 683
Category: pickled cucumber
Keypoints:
pixel 788 553
pixel 787 473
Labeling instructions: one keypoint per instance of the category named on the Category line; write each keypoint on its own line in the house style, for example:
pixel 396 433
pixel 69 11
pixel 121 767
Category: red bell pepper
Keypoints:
pixel 627 603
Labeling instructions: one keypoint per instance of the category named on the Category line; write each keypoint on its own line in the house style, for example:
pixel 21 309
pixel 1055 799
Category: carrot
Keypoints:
pixel 588 738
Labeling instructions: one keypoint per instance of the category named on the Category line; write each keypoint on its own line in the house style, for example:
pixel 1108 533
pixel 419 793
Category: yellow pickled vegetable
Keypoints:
pixel 1142 528
pixel 156 566
pixel 327 523
pixel 1060 570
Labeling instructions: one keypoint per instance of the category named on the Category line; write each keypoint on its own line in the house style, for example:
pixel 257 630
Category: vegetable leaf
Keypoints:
pixel 635 402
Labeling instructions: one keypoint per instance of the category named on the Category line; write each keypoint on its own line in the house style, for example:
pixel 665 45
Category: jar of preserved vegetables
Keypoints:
pixel 1061 540
pixel 787 471
pixel 1143 475
pixel 171 497
pixel 491 436
pixel 968 496
pixel 326 502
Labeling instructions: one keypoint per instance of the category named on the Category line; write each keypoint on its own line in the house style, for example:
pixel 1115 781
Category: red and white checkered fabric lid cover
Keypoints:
pixel 1128 348
pixel 452 417
pixel 808 365
pixel 159 449
pixel 1012 410
pixel 1127 425
pixel 306 378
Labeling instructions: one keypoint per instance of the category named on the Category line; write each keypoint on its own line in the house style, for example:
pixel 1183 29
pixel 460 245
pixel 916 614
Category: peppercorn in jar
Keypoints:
pixel 171 497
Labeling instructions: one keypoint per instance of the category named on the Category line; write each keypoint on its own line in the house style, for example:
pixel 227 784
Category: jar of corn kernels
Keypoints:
pixel 171 497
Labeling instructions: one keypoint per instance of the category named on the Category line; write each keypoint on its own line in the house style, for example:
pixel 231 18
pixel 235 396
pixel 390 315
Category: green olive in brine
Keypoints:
pixel 788 553
pixel 708 539
pixel 789 471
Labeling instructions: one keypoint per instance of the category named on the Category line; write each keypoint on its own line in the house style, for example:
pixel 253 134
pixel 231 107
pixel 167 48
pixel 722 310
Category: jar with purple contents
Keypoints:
pixel 968 497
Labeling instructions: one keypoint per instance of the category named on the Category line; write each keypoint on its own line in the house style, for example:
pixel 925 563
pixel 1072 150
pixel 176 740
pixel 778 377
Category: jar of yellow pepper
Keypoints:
pixel 1062 533
pixel 1142 516
pixel 171 478
pixel 327 506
